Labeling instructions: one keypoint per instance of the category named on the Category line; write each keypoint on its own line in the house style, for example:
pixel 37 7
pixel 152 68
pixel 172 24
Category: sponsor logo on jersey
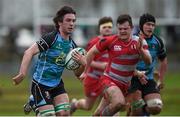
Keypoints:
pixel 60 60
pixel 117 48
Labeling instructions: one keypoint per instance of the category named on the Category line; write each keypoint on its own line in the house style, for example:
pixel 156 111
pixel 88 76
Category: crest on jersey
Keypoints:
pixel 60 60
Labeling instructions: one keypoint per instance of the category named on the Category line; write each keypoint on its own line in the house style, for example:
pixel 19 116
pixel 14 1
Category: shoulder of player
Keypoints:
pixel 159 40
pixel 157 37
pixel 51 34
pixel 74 45
pixel 49 37
pixel 46 40
pixel 110 38
pixel 91 42
pixel 94 39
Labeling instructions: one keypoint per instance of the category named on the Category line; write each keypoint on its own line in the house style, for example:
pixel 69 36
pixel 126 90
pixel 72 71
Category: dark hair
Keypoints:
pixel 146 18
pixel 60 14
pixel 104 20
pixel 124 18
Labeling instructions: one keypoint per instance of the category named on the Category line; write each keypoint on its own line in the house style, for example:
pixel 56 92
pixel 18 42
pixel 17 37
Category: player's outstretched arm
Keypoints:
pixel 28 54
pixel 99 65
pixel 89 58
pixel 162 71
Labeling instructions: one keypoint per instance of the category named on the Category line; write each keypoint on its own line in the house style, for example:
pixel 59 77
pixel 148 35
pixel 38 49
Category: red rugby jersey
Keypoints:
pixel 102 57
pixel 123 57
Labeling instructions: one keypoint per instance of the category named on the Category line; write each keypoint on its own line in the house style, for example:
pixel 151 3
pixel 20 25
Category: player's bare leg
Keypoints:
pixel 84 104
pixel 101 106
pixel 116 99
pixel 62 106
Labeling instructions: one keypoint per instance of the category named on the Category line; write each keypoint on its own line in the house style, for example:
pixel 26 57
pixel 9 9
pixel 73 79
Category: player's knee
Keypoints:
pixel 154 106
pixel 63 109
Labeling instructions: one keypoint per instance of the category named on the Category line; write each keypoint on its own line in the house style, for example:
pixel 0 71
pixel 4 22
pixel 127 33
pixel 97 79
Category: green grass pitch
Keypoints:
pixel 12 98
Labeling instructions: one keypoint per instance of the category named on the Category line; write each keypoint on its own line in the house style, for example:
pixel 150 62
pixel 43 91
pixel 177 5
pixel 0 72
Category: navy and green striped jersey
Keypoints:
pixel 51 60
pixel 157 51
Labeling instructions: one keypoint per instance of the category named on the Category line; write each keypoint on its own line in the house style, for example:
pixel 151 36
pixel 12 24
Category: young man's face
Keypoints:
pixel 68 24
pixel 105 30
pixel 148 28
pixel 124 30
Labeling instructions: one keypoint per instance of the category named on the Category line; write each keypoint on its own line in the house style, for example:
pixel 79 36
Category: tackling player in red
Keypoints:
pixel 124 53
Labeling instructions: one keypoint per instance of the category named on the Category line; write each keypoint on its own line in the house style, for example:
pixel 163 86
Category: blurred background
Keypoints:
pixel 22 22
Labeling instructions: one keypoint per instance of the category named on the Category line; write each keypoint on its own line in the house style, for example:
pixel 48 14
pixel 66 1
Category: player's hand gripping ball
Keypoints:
pixel 70 63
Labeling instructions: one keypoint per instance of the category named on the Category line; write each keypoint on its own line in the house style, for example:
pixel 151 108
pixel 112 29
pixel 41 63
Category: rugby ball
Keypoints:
pixel 70 63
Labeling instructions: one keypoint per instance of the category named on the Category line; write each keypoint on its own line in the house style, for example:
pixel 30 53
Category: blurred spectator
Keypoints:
pixel 174 32
pixel 7 43
pixel 11 40
pixel 24 39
